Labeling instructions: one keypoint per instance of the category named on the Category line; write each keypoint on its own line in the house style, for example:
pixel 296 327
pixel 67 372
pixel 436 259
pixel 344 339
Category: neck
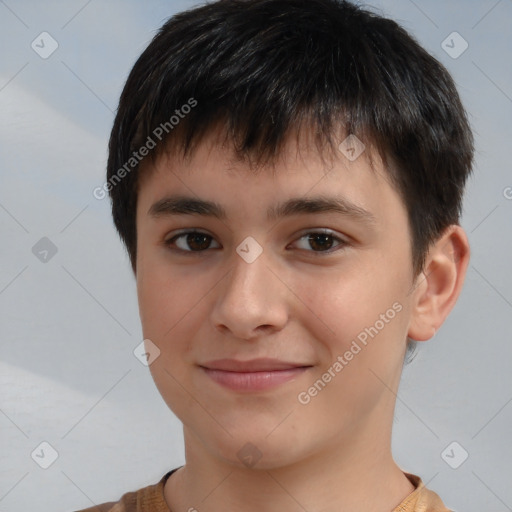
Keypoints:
pixel 330 480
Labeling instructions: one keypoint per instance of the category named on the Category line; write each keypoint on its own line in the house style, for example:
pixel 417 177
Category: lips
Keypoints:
pixel 254 375
pixel 253 365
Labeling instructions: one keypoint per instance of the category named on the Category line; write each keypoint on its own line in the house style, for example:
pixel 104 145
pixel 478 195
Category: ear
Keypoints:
pixel 437 288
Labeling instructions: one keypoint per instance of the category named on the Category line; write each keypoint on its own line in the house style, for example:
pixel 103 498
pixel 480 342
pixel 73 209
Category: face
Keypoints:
pixel 278 304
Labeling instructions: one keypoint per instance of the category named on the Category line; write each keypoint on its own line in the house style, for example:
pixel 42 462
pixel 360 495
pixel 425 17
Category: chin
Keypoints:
pixel 247 449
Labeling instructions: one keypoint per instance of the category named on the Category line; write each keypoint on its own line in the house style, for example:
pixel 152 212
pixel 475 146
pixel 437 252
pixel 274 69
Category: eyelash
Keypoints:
pixel 341 243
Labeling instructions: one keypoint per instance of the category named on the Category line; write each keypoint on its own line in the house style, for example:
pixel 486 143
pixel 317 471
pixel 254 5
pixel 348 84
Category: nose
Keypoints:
pixel 251 300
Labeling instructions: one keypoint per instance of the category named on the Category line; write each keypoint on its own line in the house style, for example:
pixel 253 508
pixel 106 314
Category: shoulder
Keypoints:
pixel 429 501
pixel 104 507
pixel 150 498
pixel 421 499
pixel 127 503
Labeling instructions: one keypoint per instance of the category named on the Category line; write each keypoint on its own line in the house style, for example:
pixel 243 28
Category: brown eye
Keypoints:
pixel 191 241
pixel 320 242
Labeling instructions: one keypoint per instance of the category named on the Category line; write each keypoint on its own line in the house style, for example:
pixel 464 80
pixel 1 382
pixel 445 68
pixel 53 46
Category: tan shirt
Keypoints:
pixel 151 499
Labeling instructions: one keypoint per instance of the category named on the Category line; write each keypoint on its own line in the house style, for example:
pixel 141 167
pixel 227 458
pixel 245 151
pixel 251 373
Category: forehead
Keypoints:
pixel 214 170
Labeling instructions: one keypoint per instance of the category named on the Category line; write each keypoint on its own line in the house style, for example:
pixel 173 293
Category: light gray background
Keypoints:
pixel 69 326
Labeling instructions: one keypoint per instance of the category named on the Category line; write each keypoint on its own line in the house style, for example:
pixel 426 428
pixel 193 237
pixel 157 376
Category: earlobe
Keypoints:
pixel 438 287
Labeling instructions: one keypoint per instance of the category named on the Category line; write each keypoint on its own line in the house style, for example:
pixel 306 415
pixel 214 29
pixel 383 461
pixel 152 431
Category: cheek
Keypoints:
pixel 166 308
pixel 361 317
pixel 339 308
pixel 153 300
pixel 363 347
pixel 163 299
pixel 172 306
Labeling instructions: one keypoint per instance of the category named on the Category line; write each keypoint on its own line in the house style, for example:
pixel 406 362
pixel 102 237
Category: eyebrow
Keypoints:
pixel 185 205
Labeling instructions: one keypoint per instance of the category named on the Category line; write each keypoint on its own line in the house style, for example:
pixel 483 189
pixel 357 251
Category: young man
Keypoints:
pixel 287 176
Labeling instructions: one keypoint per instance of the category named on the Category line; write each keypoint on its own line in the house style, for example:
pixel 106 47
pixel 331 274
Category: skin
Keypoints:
pixel 296 303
